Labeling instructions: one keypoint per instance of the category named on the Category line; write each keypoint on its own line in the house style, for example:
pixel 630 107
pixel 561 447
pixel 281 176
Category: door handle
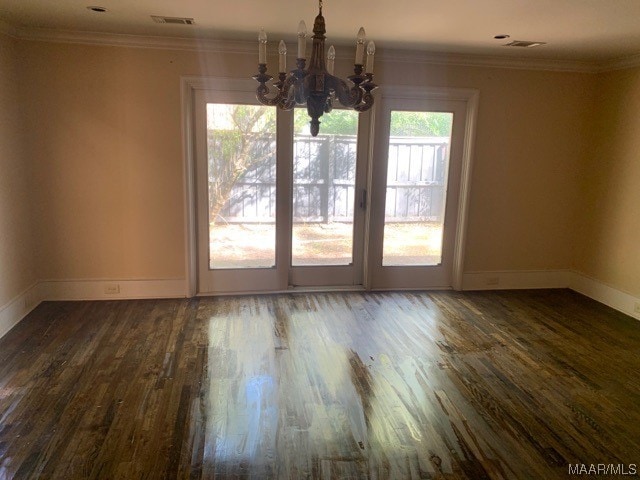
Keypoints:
pixel 363 201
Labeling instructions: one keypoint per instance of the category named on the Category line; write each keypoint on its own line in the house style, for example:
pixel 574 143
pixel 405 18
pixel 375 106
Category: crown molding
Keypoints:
pixel 462 60
pixel 249 48
pixel 630 61
pixel 135 41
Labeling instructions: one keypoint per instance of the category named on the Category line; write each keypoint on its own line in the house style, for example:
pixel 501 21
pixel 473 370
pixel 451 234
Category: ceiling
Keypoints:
pixel 580 30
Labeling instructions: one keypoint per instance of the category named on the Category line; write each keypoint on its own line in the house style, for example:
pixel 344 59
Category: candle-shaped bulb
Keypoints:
pixel 371 50
pixel 362 35
pixel 262 47
pixel 302 39
pixel 302 29
pixel 331 58
pixel 360 39
pixel 282 51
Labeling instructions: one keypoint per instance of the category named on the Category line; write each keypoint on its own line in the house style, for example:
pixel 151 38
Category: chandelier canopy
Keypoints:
pixel 316 86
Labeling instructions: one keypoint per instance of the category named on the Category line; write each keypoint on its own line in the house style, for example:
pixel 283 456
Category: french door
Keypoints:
pixel 276 207
pixel 279 209
pixel 416 178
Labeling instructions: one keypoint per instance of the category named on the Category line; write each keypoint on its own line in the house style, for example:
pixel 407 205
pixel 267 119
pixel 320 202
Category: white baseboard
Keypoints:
pixel 603 293
pixel 514 280
pixel 588 286
pixel 16 309
pixel 112 289
pixel 19 307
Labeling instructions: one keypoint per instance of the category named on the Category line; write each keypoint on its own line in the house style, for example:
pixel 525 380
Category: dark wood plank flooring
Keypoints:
pixel 441 385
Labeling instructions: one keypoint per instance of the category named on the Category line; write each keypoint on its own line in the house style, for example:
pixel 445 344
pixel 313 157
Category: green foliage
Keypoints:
pixel 421 124
pixel 336 122
pixel 403 124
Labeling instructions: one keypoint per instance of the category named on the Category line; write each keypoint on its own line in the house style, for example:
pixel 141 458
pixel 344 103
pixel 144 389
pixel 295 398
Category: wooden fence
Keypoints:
pixel 324 177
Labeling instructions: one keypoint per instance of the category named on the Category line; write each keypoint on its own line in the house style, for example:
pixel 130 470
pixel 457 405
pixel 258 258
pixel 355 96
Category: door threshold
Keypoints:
pixel 344 288
pixel 291 289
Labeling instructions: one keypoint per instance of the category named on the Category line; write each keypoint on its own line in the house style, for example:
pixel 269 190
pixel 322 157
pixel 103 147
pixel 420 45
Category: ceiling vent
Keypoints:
pixel 173 20
pixel 524 43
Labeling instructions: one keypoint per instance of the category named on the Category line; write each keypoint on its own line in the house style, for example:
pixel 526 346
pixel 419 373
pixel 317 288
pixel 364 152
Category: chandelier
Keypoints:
pixel 316 86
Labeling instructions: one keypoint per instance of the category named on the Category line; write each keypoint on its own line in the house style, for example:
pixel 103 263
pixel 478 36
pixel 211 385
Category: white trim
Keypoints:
pixel 187 86
pixel 412 92
pixel 19 307
pixel 511 279
pixel 470 97
pixel 127 289
pixel 412 289
pixel 465 187
pixel 491 61
pixel 601 292
pixel 135 41
pixel 248 48
pixel 630 61
pixel 290 290
pixel 516 279
pixel 190 87
pixel 220 84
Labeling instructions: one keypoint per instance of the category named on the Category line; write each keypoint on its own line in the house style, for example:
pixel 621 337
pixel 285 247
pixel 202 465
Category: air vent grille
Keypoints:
pixel 524 43
pixel 173 20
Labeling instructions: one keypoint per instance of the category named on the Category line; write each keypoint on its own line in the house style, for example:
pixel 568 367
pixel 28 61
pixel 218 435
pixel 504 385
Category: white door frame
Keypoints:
pixel 470 97
pixel 189 84
pixel 188 87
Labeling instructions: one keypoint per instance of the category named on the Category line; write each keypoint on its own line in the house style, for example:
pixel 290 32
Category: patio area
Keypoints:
pixel 253 245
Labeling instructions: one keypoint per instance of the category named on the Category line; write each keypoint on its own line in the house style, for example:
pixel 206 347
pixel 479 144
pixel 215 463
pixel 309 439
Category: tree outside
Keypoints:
pixel 242 169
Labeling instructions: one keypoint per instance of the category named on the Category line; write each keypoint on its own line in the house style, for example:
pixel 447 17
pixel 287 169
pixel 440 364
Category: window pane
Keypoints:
pixel 324 175
pixel 417 173
pixel 241 146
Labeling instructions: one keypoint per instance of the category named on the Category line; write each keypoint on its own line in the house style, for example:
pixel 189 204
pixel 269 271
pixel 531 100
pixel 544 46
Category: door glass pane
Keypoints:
pixel 324 176
pixel 241 152
pixel 417 172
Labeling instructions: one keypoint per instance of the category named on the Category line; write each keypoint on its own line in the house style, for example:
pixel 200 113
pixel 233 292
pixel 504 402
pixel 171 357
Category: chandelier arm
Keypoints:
pixel 262 90
pixel 288 93
pixel 261 95
pixel 367 103
pixel 349 97
pixel 367 99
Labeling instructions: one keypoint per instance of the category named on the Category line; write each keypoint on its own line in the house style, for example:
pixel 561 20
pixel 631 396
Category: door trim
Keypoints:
pixel 188 87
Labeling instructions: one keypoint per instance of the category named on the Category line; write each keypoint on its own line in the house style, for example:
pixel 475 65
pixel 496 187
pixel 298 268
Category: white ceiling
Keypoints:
pixel 584 30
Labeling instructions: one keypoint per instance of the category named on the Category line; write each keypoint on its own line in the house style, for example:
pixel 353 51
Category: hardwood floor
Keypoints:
pixel 442 385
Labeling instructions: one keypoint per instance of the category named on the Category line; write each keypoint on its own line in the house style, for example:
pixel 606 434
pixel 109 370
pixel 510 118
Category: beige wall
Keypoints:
pixel 531 134
pixel 16 237
pixel 609 231
pixel 108 157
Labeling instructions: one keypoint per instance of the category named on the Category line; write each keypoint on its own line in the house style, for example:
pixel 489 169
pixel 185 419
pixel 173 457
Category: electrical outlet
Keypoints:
pixel 112 288
pixel 493 281
pixel 636 307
